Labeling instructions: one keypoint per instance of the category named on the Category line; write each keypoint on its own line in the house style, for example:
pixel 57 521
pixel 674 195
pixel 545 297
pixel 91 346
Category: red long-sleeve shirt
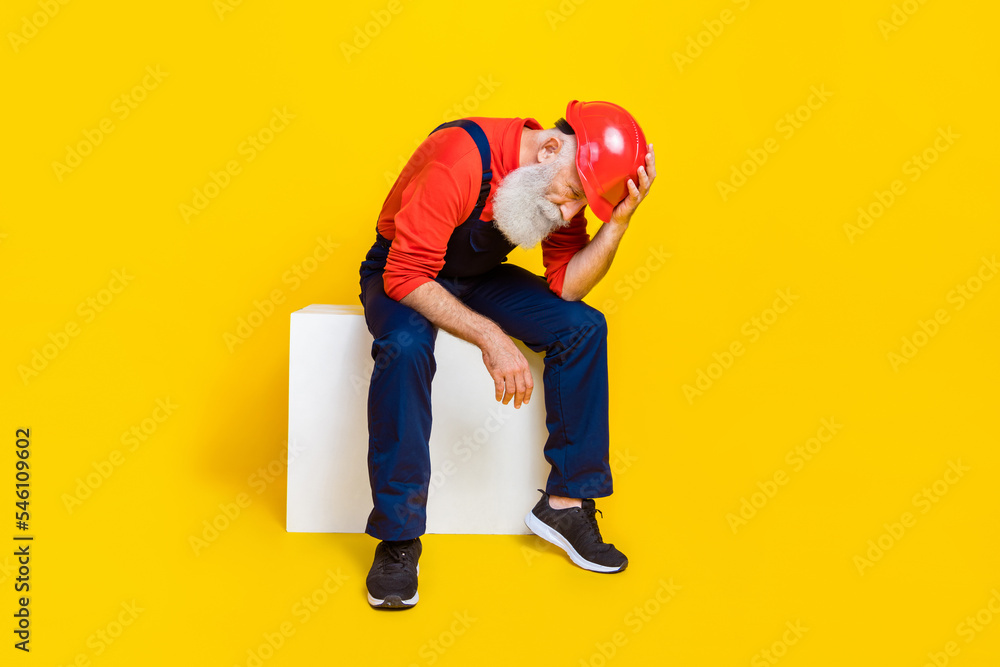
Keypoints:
pixel 436 192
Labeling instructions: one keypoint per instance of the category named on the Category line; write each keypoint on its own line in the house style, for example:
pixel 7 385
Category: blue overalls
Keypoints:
pixel 572 334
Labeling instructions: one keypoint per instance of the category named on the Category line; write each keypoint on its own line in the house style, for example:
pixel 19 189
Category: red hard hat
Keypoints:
pixel 610 149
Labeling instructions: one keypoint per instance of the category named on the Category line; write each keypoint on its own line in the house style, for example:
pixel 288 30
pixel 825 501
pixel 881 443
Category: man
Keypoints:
pixel 472 191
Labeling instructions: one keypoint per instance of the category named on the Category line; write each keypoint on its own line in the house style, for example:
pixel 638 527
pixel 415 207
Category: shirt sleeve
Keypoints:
pixel 432 205
pixel 560 246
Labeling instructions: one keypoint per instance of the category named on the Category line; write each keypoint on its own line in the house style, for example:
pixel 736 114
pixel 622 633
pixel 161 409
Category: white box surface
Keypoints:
pixel 486 458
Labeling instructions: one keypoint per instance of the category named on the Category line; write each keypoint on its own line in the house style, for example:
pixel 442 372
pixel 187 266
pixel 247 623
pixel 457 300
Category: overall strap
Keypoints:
pixel 483 145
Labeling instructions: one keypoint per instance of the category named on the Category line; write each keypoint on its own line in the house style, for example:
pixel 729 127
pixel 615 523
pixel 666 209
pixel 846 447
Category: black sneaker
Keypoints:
pixel 392 581
pixel 575 531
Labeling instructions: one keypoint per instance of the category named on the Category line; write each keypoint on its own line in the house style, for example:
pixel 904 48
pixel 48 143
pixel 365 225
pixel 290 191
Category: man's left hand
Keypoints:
pixel 623 212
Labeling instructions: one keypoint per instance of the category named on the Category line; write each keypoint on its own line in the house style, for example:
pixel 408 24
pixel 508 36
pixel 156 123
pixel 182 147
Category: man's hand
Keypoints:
pixel 508 368
pixel 623 212
pixel 592 262
pixel 505 363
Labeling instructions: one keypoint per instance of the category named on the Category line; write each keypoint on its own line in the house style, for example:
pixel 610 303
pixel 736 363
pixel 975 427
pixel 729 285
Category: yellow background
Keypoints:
pixel 692 462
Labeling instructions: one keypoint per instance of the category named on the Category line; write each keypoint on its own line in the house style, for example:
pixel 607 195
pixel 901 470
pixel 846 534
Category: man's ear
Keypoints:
pixel 548 149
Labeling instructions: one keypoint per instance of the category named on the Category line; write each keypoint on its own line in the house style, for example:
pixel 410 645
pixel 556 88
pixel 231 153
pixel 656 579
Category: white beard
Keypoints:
pixel 521 211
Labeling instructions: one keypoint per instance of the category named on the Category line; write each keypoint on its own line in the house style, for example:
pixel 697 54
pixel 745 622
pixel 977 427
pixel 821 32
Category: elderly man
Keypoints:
pixel 471 192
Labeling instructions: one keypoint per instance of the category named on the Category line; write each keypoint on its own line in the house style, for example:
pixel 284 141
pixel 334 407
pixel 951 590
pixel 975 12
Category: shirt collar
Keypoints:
pixel 511 156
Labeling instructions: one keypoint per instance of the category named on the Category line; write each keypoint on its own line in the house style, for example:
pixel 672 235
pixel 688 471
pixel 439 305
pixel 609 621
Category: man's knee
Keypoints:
pixel 410 346
pixel 578 328
pixel 584 322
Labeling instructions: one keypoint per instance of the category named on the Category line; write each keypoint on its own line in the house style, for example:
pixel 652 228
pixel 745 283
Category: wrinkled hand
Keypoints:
pixel 623 212
pixel 509 370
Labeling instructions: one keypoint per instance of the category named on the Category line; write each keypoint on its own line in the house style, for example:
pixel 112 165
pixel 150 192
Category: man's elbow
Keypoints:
pixel 569 294
pixel 563 285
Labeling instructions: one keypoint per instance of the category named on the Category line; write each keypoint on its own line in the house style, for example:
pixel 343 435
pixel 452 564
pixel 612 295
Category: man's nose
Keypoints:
pixel 571 209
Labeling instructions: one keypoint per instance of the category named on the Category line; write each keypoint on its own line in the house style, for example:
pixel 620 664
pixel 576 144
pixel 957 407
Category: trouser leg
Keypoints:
pixel 399 413
pixel 573 336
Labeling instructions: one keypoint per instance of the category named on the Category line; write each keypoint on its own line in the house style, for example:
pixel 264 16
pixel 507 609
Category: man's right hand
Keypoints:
pixel 508 368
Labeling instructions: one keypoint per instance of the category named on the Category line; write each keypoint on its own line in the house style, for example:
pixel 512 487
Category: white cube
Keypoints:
pixel 486 458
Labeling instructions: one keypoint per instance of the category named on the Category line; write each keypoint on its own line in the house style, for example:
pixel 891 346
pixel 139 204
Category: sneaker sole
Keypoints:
pixel 550 534
pixel 394 601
